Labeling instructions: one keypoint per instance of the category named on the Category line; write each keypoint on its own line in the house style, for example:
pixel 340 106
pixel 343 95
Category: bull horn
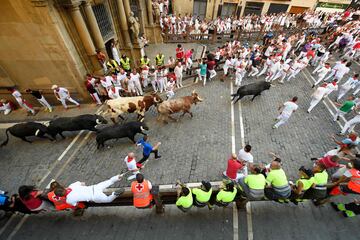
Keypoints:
pixel 193 91
pixel 142 119
pixel 155 100
pixel 142 129
pixel 98 121
pixel 200 99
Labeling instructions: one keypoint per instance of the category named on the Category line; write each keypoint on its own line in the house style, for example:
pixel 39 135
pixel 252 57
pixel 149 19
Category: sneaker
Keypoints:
pixel 50 110
pixel 334 206
pixel 313 86
pixel 274 127
pixel 340 134
pixel 157 157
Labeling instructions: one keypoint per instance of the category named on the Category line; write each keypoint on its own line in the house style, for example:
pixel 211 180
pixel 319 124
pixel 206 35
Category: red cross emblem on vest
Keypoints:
pixel 139 187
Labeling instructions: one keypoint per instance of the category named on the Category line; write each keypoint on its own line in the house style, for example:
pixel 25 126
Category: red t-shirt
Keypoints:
pixel 211 65
pixel 33 202
pixel 326 161
pixel 232 168
pixel 179 53
pixel 310 53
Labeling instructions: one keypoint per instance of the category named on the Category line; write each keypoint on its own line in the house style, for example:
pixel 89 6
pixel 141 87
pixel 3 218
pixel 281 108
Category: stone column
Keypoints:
pixel 123 23
pixel 142 15
pixel 127 7
pixel 94 28
pixel 82 30
pixel 150 12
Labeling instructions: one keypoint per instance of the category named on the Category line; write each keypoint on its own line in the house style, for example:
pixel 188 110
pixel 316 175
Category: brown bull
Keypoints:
pixel 182 104
pixel 138 105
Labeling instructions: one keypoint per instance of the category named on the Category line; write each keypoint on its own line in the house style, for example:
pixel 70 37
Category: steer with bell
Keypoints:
pixel 182 104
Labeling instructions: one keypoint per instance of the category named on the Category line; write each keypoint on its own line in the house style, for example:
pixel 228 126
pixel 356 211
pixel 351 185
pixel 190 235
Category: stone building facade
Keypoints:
pixel 46 42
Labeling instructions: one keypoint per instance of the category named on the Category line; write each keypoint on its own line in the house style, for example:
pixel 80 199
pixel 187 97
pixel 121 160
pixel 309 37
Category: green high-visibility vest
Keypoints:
pixel 307 183
pixel 125 63
pixel 225 196
pixel 144 61
pixel 201 195
pixel 277 178
pixel 321 178
pixel 159 59
pixel 255 181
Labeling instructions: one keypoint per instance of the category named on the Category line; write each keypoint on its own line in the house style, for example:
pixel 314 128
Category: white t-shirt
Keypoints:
pixel 63 93
pixel 320 92
pixel 245 156
pixel 130 165
pixel 121 77
pixel 79 193
pixel 178 70
pixel 135 77
pixel 289 108
pixel 107 82
pixel 113 94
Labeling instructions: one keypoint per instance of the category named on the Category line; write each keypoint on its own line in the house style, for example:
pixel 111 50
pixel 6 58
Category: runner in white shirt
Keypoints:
pixel 62 94
pixel 342 70
pixel 179 74
pixel 287 109
pixel 106 82
pixel 22 102
pixel 267 64
pixel 130 161
pixel 94 193
pixel 114 92
pixel 135 77
pixel 245 156
pixel 322 71
pixel 122 78
pixel 239 75
pixel 351 83
pixel 317 96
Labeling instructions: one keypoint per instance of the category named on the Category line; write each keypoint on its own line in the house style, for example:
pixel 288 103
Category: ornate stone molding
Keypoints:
pixel 39 3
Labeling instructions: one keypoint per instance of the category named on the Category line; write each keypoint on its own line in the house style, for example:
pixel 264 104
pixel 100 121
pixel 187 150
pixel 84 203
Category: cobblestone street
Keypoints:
pixel 192 150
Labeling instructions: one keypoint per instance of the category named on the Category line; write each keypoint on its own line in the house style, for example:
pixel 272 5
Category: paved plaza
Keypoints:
pixel 192 150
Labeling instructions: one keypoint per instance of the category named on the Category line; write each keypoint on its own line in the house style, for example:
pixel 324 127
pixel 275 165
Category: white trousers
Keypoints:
pixel 170 94
pixel 44 103
pixel 154 85
pixel 6 110
pixel 263 70
pixel 342 92
pixel 313 103
pixel 332 73
pixel 283 118
pixel 254 71
pixel 338 113
pixel 63 101
pixel 138 88
pixel 96 98
pixel 161 84
pixel 279 74
pixel 99 195
pixel 24 105
pixel 179 80
pixel 238 79
pixel 321 77
pixel 212 73
pixel 349 125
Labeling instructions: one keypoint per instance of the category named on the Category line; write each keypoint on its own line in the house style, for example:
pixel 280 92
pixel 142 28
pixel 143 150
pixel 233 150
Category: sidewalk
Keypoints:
pixel 20 115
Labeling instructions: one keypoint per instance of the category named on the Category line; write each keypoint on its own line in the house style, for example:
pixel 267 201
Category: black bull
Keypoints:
pixel 81 122
pixel 128 130
pixel 251 89
pixel 23 130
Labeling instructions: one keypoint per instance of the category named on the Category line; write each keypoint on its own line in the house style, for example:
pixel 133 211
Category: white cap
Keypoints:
pixel 54 87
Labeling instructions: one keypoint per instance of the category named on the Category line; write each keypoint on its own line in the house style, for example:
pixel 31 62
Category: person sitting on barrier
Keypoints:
pixel 318 190
pixel 332 165
pixel 57 195
pixel 202 195
pixel 233 167
pixel 141 192
pixel 93 193
pixel 225 196
pixel 184 197
pixel 304 183
pixel 348 210
pixel 12 204
pixel 252 186
pixel 278 188
pixel 31 198
pixel 352 179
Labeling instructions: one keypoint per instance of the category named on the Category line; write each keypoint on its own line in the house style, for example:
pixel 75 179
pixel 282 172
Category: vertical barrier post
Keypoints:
pixel 155 191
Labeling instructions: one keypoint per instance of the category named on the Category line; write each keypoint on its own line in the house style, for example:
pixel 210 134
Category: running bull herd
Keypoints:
pixel 116 109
